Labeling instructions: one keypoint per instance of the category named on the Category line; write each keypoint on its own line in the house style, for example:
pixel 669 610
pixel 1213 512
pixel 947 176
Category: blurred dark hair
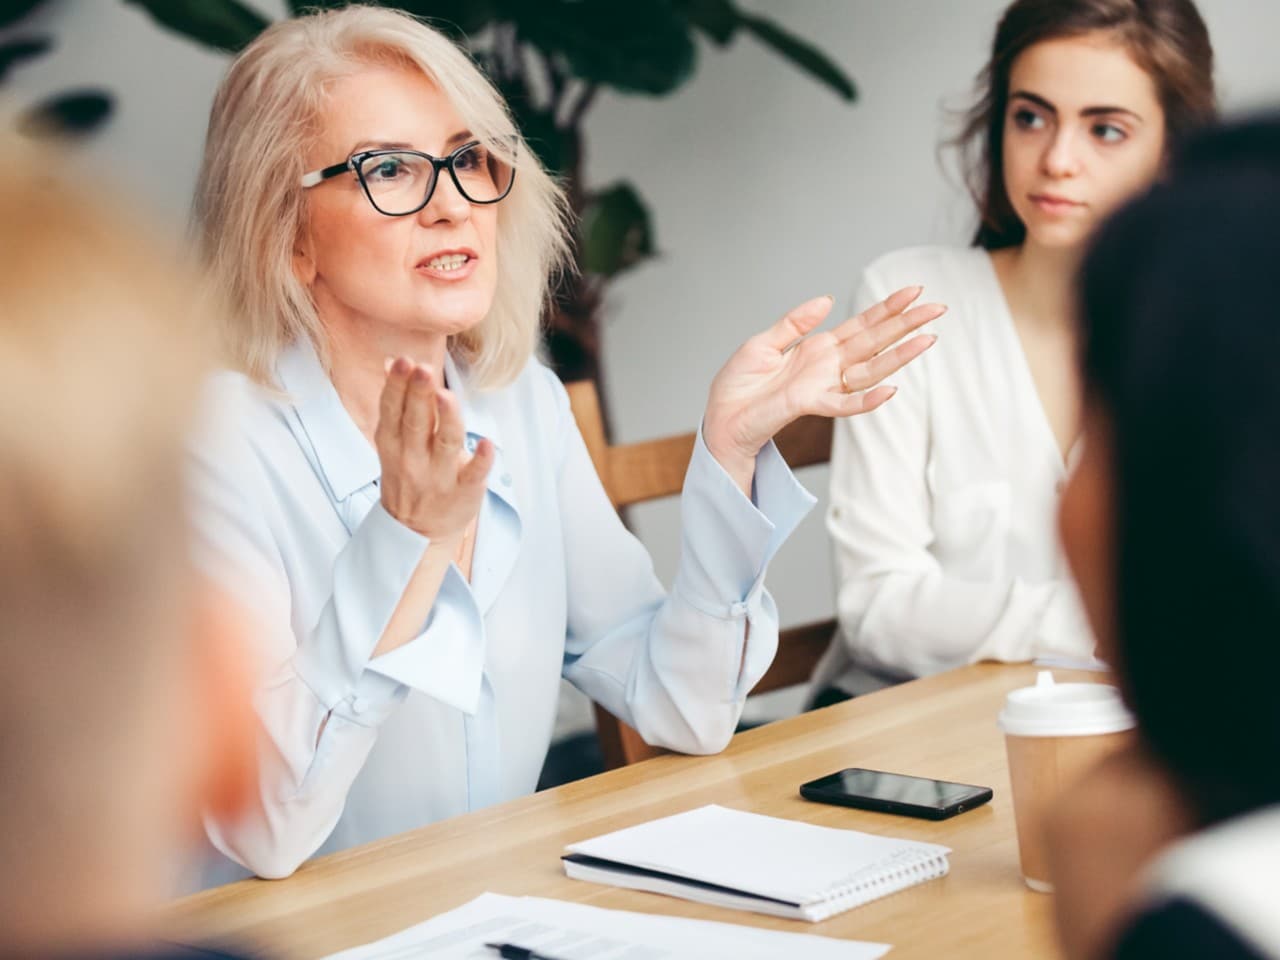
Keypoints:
pixel 1166 38
pixel 1180 308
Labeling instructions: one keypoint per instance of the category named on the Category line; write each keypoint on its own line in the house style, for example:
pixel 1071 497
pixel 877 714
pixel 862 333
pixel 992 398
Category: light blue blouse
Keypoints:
pixel 357 747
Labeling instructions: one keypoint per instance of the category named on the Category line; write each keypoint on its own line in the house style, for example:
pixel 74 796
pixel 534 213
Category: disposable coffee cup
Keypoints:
pixel 1053 733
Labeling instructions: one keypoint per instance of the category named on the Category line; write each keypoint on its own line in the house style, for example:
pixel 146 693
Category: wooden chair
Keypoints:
pixel 636 472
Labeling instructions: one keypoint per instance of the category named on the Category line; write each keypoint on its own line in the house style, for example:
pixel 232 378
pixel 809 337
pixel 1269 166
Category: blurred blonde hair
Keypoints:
pixel 250 208
pixel 102 350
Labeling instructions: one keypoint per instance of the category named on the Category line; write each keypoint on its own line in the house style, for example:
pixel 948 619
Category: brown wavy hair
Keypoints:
pixel 1166 38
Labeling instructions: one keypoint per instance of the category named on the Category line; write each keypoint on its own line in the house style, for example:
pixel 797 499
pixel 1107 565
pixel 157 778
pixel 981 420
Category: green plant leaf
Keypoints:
pixel 222 24
pixel 70 114
pixel 557 147
pixel 299 7
pixel 637 46
pixel 616 231
pixel 718 19
pixel 12 11
pixel 19 50
pixel 458 18
pixel 805 56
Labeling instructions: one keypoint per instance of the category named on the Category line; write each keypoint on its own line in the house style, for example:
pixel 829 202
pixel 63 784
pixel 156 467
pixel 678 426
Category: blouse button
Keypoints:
pixel 359 705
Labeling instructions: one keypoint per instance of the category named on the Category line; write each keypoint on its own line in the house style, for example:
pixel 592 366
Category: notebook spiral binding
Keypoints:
pixel 876 882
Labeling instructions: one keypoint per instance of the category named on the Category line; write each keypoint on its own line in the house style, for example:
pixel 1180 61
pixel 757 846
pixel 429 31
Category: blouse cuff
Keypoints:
pixel 446 660
pixel 369 578
pixel 729 540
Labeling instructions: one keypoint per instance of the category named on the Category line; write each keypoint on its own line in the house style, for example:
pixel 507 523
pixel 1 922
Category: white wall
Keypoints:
pixel 163 87
pixel 765 188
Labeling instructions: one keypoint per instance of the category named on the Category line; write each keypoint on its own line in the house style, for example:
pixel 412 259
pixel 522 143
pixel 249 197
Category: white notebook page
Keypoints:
pixel 768 856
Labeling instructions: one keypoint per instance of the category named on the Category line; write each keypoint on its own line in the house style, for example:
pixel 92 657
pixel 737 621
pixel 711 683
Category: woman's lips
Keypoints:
pixel 449 265
pixel 1055 205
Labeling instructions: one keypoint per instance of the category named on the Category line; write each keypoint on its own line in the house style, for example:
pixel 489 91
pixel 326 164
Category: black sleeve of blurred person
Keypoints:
pixel 1182 930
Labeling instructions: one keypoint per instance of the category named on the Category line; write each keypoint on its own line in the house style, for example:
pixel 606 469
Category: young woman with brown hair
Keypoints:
pixel 942 508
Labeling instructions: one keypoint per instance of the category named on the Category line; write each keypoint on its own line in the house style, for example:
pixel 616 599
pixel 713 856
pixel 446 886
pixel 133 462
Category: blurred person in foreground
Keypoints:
pixel 1172 528
pixel 124 709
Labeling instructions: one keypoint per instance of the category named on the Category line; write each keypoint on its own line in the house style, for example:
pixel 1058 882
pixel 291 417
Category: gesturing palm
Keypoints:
pixel 785 373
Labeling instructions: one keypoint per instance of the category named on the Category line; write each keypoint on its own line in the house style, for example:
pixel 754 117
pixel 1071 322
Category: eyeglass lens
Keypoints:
pixel 398 183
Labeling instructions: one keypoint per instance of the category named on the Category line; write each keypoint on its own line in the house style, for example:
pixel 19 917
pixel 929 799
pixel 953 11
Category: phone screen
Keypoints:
pixel 896 787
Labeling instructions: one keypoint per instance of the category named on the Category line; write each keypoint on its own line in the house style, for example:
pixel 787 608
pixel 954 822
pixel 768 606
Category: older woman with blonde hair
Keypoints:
pixel 399 488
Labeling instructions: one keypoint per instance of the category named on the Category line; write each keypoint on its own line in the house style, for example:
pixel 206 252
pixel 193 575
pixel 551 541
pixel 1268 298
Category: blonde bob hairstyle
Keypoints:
pixel 249 206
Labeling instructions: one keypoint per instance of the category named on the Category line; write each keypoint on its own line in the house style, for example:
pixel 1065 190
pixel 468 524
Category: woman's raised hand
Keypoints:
pixel 782 374
pixel 429 481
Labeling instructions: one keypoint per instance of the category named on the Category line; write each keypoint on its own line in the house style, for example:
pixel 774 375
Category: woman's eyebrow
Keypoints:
pixel 379 145
pixel 1100 111
pixel 462 136
pixel 1035 98
pixel 1085 112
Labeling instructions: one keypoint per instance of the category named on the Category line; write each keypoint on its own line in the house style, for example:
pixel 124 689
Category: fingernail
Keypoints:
pixel 830 297
pixel 386 364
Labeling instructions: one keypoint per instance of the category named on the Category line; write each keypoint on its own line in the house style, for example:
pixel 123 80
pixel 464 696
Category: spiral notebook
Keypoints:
pixel 730 858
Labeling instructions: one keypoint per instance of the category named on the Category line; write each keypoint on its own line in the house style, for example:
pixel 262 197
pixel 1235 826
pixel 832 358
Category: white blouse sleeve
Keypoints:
pixel 676 666
pixel 898 610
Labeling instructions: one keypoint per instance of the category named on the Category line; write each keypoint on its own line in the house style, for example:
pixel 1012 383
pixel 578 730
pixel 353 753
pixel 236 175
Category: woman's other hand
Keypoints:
pixel 782 374
pixel 429 481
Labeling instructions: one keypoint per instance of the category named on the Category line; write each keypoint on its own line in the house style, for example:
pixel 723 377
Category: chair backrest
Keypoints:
pixel 652 469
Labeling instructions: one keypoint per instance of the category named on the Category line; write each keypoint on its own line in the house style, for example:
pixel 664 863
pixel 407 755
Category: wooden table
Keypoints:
pixel 942 726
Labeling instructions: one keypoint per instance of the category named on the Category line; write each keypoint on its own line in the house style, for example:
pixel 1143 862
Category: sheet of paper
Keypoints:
pixel 574 931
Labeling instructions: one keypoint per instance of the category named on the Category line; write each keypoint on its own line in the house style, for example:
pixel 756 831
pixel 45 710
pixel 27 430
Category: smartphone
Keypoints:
pixel 896 793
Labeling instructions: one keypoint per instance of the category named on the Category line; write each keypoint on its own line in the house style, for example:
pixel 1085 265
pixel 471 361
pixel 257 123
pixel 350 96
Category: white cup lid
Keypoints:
pixel 1052 709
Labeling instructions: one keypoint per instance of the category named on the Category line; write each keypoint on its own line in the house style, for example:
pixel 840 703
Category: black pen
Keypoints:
pixel 509 951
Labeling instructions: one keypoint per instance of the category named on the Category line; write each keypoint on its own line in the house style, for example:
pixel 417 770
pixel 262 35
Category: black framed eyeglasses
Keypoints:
pixel 400 182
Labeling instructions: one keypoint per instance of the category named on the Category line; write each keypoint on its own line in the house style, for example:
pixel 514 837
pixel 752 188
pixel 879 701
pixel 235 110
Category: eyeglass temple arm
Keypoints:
pixel 319 176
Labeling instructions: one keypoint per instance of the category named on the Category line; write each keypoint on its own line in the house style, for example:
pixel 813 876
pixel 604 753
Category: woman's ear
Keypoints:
pixel 304 263
pixel 224 755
